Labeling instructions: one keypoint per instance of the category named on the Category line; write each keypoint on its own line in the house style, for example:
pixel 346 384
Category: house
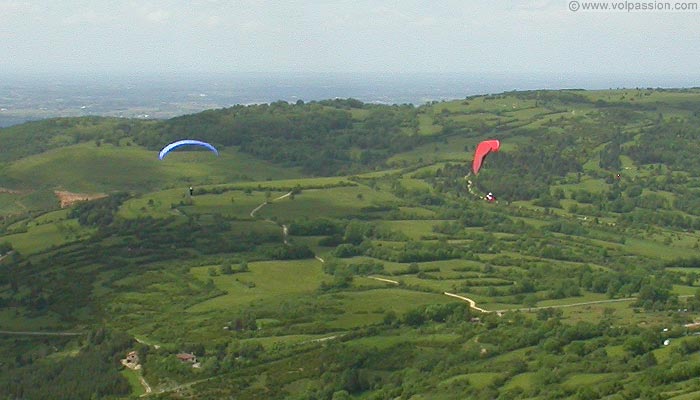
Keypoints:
pixel 187 358
pixel 132 357
pixel 131 361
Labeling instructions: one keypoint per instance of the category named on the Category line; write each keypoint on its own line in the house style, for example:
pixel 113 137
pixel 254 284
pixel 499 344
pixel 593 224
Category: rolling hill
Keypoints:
pixel 337 249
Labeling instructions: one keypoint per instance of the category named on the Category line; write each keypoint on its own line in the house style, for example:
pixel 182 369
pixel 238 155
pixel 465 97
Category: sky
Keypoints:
pixel 167 37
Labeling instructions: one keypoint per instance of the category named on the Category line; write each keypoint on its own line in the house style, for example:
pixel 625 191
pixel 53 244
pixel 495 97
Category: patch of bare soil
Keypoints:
pixel 68 198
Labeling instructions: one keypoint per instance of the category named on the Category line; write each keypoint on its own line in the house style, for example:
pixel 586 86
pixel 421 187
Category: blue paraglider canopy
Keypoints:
pixel 186 142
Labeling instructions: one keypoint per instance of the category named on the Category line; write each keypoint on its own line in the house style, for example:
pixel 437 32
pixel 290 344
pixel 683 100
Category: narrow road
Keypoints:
pixel 283 196
pixel 473 305
pixel 146 386
pixel 40 333
pixel 383 280
pixel 156 346
pixel 471 302
pixel 323 339
pixel 585 303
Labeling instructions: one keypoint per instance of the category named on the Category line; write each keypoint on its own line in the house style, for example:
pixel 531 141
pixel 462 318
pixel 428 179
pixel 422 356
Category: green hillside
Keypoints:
pixel 339 250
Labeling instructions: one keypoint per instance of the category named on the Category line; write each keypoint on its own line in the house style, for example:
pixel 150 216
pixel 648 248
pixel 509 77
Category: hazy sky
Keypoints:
pixel 164 36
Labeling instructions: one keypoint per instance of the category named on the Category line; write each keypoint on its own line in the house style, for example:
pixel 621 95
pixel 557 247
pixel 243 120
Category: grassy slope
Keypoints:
pixel 88 168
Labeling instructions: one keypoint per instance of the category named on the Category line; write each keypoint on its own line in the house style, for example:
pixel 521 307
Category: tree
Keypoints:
pixel 413 268
pixel 341 395
pixel 226 268
pixel 390 317
pixel 356 232
pixel 530 301
pixel 243 267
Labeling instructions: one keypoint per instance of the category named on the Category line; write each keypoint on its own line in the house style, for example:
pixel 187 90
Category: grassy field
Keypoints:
pixel 415 229
pixel 332 202
pixel 173 202
pixel 368 307
pixel 38 238
pixel 88 168
pixel 272 279
pixel 134 381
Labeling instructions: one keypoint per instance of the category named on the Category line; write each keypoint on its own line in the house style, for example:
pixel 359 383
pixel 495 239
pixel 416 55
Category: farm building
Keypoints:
pixel 187 357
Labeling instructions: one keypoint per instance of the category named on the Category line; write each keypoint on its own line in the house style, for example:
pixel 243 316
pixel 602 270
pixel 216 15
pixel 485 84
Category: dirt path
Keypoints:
pixel 39 333
pixel 285 229
pixel 376 278
pixel 283 196
pixel 256 209
pixel 8 253
pixel 146 386
pixel 285 233
pixel 11 191
pixel 264 203
pixel 323 339
pixel 155 346
pixel 473 305
pixel 585 303
pixel 471 302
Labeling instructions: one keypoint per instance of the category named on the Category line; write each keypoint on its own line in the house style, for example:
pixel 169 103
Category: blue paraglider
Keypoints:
pixel 186 142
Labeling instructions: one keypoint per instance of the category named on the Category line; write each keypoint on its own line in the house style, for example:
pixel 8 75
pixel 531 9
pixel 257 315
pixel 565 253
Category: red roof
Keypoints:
pixel 186 357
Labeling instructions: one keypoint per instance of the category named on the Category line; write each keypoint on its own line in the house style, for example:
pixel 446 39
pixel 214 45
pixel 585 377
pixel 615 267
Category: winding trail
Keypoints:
pixel 473 305
pixel 146 386
pixel 285 229
pixel 256 209
pixel 264 203
pixel 471 302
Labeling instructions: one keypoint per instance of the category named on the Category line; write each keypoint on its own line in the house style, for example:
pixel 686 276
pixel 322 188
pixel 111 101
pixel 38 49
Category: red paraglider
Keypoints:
pixel 483 149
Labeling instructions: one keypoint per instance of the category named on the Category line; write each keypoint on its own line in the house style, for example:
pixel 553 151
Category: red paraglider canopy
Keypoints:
pixel 482 150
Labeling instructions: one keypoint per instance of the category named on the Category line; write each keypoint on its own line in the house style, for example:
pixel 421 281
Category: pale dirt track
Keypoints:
pixel 39 333
pixel 285 230
pixel 264 203
pixel 383 280
pixel 471 302
pixel 585 303
pixel 146 386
